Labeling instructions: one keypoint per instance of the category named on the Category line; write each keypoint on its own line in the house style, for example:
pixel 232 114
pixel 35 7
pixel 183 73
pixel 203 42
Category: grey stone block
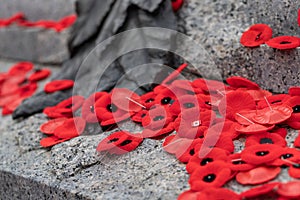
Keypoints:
pixel 34 44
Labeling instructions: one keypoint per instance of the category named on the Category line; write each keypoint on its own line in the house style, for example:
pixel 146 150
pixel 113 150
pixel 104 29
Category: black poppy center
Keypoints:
pixel 166 100
pixel 285 42
pixel 92 109
pixel 157 118
pixel 209 178
pixel 296 109
pixel 286 156
pixel 111 108
pixel 113 140
pixel 69 106
pixel 125 142
pixel 296 166
pixel 262 153
pixel 207 103
pixel 143 115
pixel 266 141
pixel 149 100
pixel 192 152
pixel 258 36
pixel 189 105
pixel 205 161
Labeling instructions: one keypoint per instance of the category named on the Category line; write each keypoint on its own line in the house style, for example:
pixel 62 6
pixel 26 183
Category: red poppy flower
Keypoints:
pixel 234 102
pixel 185 85
pixel 256 35
pixel 119 143
pixel 280 131
pixel 259 191
pixel 287 157
pixel 72 127
pixel 273 114
pixel 290 189
pixel 138 117
pixel 226 128
pixel 165 97
pixel 254 128
pixel 58 85
pixel 235 163
pixel 108 113
pixel 51 141
pixel 148 99
pixel 192 123
pixel 294 169
pixel 66 108
pixel 27 90
pixel 211 87
pixel 214 175
pixel 126 100
pixel 49 127
pixel 158 121
pixel 198 160
pixel 88 107
pixel 192 195
pixel 294 121
pixel 294 91
pixel 284 42
pixel 220 193
pixel 244 117
pixel 20 68
pixel 257 175
pixel 265 138
pixel 176 4
pixel 217 139
pixel 294 102
pixel 240 82
pixel 259 94
pixel 260 154
pixel 277 99
pixel 39 74
pixel 11 106
pixel 65 23
pixel 186 102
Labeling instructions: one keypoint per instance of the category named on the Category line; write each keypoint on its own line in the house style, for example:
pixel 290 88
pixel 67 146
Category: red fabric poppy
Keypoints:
pixel 258 192
pixel 72 127
pixel 273 114
pixel 265 138
pixel 214 139
pixel 214 175
pixel 240 82
pixel 27 90
pixel 11 106
pixel 297 141
pixel 108 113
pixel 126 99
pixel 65 23
pixel 158 121
pixel 20 68
pixel 234 102
pixel 186 102
pixel 184 85
pixel 88 107
pixel 53 113
pixel 209 87
pixel 294 170
pixel 284 42
pixel 39 74
pixel 294 91
pixel 258 94
pixel 257 175
pixel 148 99
pixel 192 123
pixel 226 128
pixel 51 141
pixel 244 117
pixel 202 159
pixel 260 154
pixel 49 127
pixel 120 142
pixel 235 163
pixel 12 19
pixel 290 189
pixel 294 103
pixel 280 131
pixel 192 195
pixel 254 128
pixel 58 85
pixel 138 117
pixel 256 35
pixel 220 193
pixel 176 4
pixel 294 121
pixel 277 99
pixel 287 157
pixel 165 97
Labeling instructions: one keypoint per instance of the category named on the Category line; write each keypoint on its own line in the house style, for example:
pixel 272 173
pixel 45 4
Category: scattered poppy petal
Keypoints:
pixel 290 189
pixel 256 35
pixel 283 42
pixel 39 75
pixel 58 85
pixel 49 127
pixel 72 127
pixel 240 82
pixel 51 141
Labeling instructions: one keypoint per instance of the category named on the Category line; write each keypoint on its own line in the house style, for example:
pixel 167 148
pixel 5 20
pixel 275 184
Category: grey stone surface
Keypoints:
pixel 217 26
pixel 37 9
pixel 34 44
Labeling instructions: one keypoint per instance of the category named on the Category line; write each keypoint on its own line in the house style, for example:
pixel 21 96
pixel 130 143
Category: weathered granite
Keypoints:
pixel 218 25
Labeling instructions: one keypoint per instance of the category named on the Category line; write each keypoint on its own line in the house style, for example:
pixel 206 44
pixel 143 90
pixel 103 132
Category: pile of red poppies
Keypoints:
pixel 19 83
pixel 20 20
pixel 262 34
pixel 204 117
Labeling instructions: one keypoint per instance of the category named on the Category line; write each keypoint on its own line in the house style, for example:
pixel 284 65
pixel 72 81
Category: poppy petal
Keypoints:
pixel 72 127
pixel 58 85
pixel 283 42
pixel 49 127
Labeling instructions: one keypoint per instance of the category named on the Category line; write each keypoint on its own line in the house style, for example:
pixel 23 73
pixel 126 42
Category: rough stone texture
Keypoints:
pixel 39 9
pixel 34 44
pixel 216 26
